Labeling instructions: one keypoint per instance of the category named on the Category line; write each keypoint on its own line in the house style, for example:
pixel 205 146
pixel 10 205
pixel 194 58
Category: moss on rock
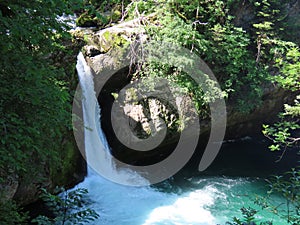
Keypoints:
pixel 108 40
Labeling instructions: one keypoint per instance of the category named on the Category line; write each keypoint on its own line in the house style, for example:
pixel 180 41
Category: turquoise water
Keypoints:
pixel 192 201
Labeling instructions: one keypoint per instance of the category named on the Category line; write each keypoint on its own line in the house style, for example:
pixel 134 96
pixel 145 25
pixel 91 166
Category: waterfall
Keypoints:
pixel 96 149
pixel 191 200
pixel 120 204
pixel 94 139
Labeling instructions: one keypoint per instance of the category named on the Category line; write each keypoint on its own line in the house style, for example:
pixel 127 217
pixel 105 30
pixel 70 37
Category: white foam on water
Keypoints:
pixel 125 205
pixel 187 209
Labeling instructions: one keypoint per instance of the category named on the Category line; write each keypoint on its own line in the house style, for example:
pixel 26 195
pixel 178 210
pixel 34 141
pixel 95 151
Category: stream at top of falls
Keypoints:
pixel 180 200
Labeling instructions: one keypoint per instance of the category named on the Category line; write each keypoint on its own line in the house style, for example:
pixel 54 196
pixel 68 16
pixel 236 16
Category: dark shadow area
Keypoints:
pixel 118 150
pixel 246 157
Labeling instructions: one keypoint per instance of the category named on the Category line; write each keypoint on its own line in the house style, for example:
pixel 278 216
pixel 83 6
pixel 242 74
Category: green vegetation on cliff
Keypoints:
pixel 37 86
pixel 36 95
pixel 243 57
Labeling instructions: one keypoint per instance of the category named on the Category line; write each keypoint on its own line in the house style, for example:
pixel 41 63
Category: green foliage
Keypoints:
pixel 284 134
pixel 101 13
pixel 288 187
pixel 282 199
pixel 284 60
pixel 283 56
pixel 267 28
pixel 249 218
pixel 10 213
pixel 285 187
pixel 35 98
pixel 275 53
pixel 67 208
pixel 206 28
pixel 294 110
pixel 288 64
pixel 234 67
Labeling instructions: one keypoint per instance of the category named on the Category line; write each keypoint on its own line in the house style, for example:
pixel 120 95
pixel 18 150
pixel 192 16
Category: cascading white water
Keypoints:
pixel 93 136
pixel 200 201
pixel 96 148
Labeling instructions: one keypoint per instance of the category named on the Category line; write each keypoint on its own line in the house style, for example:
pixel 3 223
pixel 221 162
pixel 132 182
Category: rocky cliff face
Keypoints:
pixel 143 115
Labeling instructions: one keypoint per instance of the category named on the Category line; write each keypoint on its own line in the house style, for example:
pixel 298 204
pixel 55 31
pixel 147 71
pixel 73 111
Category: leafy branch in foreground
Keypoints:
pixel 66 208
pixel 282 199
pixel 288 187
pixel 248 218
pixel 285 133
pixel 11 213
